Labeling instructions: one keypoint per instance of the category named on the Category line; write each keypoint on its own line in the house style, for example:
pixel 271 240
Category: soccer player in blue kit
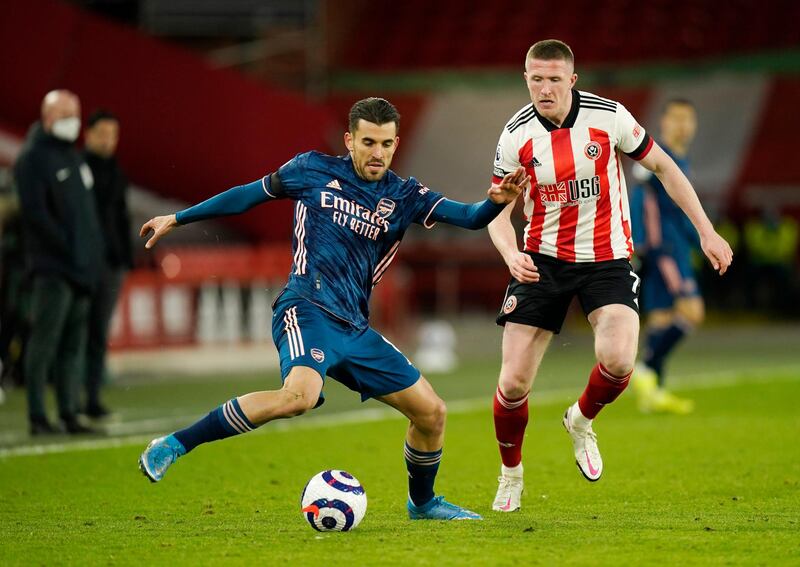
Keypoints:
pixel 350 214
pixel 664 238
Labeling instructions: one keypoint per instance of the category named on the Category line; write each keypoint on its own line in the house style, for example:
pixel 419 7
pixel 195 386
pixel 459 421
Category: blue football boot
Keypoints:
pixel 440 509
pixel 159 456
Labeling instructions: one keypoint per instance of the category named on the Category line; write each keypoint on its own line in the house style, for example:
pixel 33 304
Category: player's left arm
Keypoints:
pixel 678 187
pixel 478 215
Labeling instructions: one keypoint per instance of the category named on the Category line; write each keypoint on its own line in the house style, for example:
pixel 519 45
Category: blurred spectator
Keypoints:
pixel 726 294
pixel 772 242
pixel 110 187
pixel 13 288
pixel 63 244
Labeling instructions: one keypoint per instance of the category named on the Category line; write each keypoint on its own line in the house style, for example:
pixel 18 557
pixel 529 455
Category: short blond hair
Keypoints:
pixel 550 49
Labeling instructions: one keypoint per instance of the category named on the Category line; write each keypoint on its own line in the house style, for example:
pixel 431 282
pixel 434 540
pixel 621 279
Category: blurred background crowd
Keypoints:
pixel 203 95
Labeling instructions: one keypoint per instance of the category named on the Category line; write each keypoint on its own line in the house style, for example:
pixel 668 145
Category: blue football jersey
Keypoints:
pixel 677 232
pixel 346 230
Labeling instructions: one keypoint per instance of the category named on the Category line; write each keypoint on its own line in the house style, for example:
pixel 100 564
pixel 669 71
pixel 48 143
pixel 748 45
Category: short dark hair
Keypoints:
pixel 373 109
pixel 680 101
pixel 549 49
pixel 100 114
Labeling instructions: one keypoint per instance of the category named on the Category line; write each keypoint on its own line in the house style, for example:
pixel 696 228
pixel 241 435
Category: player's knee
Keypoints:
pixel 433 421
pixel 617 362
pixel 689 312
pixel 514 390
pixel 514 385
pixel 694 317
pixel 296 403
pixel 440 416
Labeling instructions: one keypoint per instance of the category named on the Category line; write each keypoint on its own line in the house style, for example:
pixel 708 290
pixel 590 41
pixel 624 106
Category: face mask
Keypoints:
pixel 67 129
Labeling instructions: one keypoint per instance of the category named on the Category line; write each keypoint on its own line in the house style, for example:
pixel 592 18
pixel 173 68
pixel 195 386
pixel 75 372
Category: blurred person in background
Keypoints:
pixel 13 296
pixel 772 243
pixel 110 186
pixel 64 247
pixel 729 295
pixel 664 239
pixel 577 243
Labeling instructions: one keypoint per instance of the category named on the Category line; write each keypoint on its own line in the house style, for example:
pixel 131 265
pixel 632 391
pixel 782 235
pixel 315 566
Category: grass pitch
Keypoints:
pixel 718 487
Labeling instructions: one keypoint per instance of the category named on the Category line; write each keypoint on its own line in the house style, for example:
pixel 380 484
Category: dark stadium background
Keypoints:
pixel 214 93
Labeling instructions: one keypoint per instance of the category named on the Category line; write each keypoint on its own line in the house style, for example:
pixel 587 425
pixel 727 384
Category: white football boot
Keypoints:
pixel 584 443
pixel 509 489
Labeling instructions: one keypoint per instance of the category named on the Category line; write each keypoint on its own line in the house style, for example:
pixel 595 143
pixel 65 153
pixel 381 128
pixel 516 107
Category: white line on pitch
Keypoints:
pixel 131 432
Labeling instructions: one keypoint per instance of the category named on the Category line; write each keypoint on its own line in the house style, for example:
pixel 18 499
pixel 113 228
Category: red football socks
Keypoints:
pixel 510 420
pixel 603 388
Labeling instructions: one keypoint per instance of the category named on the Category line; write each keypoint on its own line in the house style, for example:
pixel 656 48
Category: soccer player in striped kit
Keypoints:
pixel 350 214
pixel 577 242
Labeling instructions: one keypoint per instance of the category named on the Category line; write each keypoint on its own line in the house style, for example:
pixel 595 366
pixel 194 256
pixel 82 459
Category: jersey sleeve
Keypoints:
pixel 631 138
pixel 421 203
pixel 506 159
pixel 291 182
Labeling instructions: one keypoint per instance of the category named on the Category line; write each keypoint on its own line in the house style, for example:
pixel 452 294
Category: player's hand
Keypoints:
pixel 522 268
pixel 160 227
pixel 718 251
pixel 509 188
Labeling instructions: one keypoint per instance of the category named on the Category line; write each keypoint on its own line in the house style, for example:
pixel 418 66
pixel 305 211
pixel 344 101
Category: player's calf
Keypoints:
pixel 510 421
pixel 225 421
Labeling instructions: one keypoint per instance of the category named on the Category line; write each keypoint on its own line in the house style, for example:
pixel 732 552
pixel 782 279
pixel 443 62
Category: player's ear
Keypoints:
pixel 573 80
pixel 348 141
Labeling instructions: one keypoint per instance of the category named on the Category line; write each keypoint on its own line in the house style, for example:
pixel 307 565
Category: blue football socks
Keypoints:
pixel 660 343
pixel 422 467
pixel 225 421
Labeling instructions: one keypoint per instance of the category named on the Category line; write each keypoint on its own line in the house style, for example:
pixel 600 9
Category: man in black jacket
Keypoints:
pixel 110 185
pixel 64 248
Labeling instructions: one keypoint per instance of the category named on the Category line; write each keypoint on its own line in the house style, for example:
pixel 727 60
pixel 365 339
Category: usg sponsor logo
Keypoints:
pixel 570 192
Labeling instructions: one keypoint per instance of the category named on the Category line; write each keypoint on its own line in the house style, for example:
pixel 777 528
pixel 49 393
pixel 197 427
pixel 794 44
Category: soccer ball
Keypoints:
pixel 333 501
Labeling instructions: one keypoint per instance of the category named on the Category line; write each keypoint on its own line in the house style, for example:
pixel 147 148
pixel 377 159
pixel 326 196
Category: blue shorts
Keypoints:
pixel 361 359
pixel 655 293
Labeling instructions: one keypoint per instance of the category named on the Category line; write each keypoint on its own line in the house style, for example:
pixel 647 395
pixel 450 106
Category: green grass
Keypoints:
pixel 721 486
pixel 723 349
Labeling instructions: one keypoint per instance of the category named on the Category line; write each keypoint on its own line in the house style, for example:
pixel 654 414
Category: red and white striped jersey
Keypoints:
pixel 577 205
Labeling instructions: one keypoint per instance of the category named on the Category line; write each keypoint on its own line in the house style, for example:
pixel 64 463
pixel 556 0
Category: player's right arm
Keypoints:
pixel 501 231
pixel 234 201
